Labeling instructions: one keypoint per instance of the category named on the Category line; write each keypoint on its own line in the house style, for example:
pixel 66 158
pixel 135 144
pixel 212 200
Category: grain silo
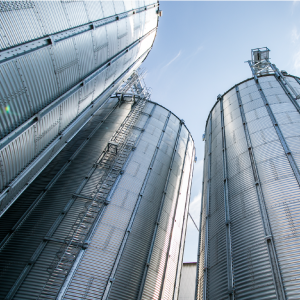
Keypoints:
pixel 59 62
pixel 249 238
pixel 106 219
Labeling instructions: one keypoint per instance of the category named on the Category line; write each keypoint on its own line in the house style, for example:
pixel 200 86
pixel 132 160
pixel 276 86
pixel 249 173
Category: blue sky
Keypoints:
pixel 199 52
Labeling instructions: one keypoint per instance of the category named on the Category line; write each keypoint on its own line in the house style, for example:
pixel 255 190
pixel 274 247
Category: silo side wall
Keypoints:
pixel 262 165
pixel 112 224
pixel 79 55
pixel 24 227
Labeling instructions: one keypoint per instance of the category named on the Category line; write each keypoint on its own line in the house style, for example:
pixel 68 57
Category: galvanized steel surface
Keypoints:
pixel 187 281
pixel 262 147
pixel 21 182
pixel 50 228
pixel 41 217
pixel 130 227
pixel 34 110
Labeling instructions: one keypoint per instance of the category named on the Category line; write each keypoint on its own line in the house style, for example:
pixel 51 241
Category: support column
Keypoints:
pixel 226 205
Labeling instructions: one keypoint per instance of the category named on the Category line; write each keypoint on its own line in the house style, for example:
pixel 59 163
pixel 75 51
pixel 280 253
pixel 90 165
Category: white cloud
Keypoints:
pixel 172 60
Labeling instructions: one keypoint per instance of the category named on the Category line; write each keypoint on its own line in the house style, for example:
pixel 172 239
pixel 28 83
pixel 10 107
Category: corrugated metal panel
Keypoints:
pixel 100 45
pixel 175 250
pixel 119 6
pixel 145 218
pixel 277 181
pixel 46 129
pixel 21 23
pixel 39 221
pixel 94 10
pixel 150 20
pixel 112 34
pixel 49 73
pixel 123 31
pixel 113 224
pixel 187 281
pixel 108 8
pixel 37 71
pixel 128 5
pixel 15 106
pixel 163 245
pixel 75 12
pixel 52 16
pixel 89 97
pixel 36 166
pixel 15 156
pixel 66 64
pixel 69 110
pixel 86 56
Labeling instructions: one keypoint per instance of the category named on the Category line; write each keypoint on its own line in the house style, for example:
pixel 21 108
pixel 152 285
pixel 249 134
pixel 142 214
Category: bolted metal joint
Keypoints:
pixel 268 238
pixel 85 245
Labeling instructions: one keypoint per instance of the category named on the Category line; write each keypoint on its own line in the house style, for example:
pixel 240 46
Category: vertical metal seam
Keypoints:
pixel 141 290
pixel 184 225
pixel 66 14
pixel 230 275
pixel 279 133
pixel 282 81
pixel 82 115
pixel 20 129
pixel 42 245
pixel 54 179
pixel 54 65
pixel 86 11
pixel 54 226
pixel 48 41
pixel 24 86
pixel 173 222
pixel 91 232
pixel 207 214
pixel 197 295
pixel 2 170
pixel 276 272
pixel 282 84
pixel 37 15
pixel 130 223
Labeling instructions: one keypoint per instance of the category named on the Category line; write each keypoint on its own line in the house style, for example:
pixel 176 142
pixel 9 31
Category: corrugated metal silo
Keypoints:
pixel 249 238
pixel 59 62
pixel 107 217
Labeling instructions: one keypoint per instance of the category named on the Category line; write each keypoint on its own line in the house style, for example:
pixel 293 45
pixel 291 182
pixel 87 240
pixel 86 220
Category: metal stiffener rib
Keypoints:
pixel 276 273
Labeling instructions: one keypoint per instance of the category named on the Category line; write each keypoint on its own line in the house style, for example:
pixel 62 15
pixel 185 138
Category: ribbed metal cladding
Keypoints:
pixel 59 61
pixel 135 232
pixel 41 211
pixel 249 235
pixel 95 226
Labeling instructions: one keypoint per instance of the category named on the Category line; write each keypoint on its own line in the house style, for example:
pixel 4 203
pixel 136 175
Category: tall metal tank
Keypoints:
pixel 106 219
pixel 249 238
pixel 59 62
